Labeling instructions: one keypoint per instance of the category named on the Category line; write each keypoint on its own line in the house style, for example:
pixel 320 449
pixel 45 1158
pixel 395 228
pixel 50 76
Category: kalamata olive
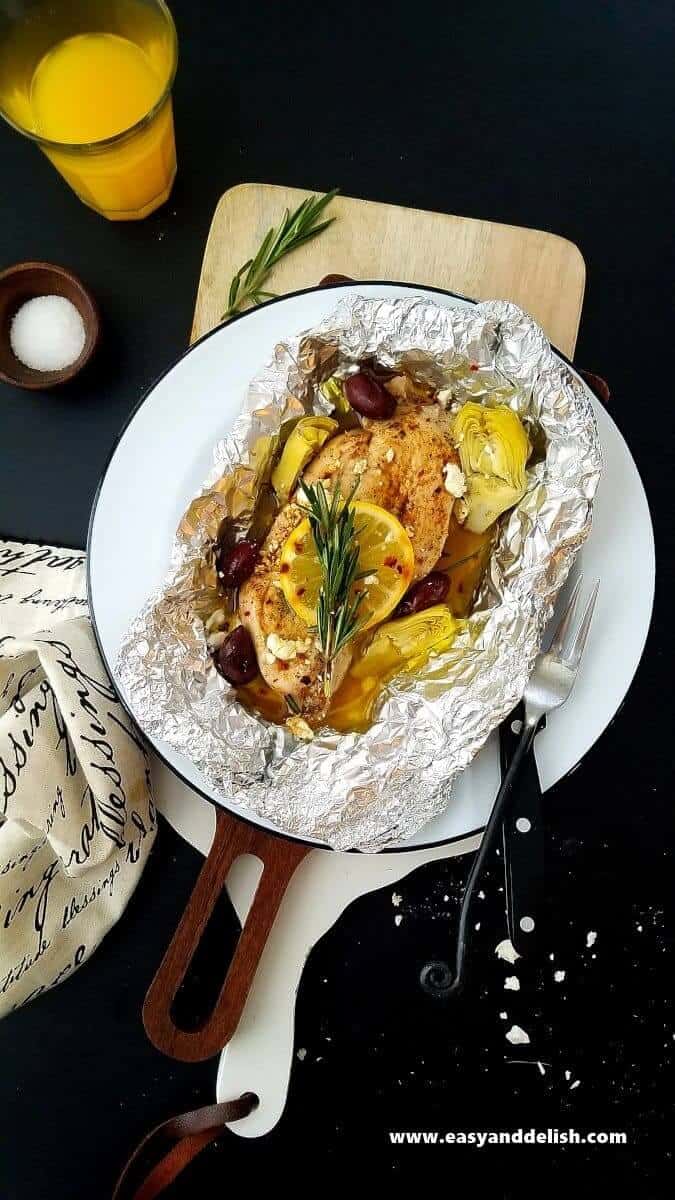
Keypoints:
pixel 426 592
pixel 367 396
pixel 235 659
pixel 234 565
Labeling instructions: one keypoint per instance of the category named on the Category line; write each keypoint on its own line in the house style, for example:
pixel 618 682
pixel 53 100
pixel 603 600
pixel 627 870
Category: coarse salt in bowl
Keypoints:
pixel 47 333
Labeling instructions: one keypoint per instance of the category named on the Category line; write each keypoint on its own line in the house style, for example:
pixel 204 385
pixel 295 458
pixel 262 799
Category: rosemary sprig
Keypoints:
pixel 331 521
pixel 294 230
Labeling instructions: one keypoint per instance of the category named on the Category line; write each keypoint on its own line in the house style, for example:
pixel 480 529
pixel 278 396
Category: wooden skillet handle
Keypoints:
pixel 280 858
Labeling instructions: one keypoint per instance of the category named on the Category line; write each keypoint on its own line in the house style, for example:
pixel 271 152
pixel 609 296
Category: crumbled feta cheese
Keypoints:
pixel 512 983
pixel 460 511
pixel 389 456
pixel 269 658
pixel 282 648
pixel 455 483
pixel 360 466
pixel 517 1036
pixel 444 397
pixel 299 727
pixel 507 951
pixel 370 580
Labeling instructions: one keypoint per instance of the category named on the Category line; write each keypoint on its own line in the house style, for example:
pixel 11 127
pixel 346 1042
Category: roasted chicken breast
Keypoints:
pixel 399 465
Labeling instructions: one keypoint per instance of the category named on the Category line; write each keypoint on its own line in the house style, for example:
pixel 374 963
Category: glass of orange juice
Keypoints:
pixel 90 82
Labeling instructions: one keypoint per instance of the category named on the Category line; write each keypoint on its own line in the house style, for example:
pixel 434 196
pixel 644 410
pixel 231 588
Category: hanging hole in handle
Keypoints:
pixel 197 995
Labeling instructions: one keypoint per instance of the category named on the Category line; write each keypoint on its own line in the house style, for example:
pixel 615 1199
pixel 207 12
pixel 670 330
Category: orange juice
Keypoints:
pixel 97 100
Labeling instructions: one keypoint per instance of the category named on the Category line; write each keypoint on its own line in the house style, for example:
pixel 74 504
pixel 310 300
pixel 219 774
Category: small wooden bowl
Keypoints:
pixel 23 282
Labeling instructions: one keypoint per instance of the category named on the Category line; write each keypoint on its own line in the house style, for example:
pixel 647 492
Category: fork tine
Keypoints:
pixel 577 647
pixel 556 647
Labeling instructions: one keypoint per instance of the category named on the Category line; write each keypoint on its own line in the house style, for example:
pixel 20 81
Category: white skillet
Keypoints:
pixel 157 465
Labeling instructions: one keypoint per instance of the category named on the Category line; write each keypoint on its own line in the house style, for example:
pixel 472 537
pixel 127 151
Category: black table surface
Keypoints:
pixel 543 114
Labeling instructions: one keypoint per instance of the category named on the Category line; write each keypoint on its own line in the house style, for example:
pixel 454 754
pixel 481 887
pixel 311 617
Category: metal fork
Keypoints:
pixel 548 687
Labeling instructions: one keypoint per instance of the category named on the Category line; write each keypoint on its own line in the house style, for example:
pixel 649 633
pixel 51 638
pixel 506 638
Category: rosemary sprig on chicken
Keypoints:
pixel 331 521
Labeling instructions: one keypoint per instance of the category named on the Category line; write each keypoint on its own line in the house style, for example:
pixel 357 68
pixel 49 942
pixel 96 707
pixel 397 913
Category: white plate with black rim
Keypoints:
pixel 164 452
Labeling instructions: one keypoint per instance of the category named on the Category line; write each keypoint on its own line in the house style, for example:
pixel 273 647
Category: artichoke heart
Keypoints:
pixel 401 645
pixel 308 436
pixel 333 391
pixel 493 449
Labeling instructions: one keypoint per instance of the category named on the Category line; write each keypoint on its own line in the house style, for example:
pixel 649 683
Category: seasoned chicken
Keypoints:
pixel 398 464
pixel 263 610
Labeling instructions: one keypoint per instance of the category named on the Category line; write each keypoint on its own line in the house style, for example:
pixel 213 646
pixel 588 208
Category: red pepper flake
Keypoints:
pixel 283 666
pixel 306 679
pixel 299 547
pixel 473 366
pixel 391 561
pixel 284 568
pixel 300 591
pixel 437 491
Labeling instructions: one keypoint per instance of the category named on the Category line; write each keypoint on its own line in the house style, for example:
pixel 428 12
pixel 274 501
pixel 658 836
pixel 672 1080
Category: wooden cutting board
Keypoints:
pixel 543 273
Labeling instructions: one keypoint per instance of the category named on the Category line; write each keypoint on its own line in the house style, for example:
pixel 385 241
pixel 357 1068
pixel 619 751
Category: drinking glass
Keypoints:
pixel 89 81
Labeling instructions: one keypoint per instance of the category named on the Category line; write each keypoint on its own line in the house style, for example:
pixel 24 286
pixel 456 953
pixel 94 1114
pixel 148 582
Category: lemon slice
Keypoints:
pixel 386 561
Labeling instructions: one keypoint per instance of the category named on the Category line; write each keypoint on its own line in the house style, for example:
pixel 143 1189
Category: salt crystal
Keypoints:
pixel 512 983
pixel 568 1075
pixel 397 920
pixel 396 899
pixel 542 1068
pixel 575 1084
pixel 302 1054
pixel 47 333
pixel 558 976
pixel 503 1016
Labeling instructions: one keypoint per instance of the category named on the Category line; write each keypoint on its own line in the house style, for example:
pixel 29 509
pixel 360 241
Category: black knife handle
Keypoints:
pixel 523 842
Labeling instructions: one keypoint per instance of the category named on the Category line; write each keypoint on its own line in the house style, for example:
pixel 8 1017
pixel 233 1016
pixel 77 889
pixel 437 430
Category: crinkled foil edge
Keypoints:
pixel 370 790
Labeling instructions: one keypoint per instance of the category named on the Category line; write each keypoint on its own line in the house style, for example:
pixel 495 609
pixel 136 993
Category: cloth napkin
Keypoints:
pixel 77 818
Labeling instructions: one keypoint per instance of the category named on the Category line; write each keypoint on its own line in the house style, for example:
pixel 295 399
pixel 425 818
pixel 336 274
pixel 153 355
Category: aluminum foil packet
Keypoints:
pixel 367 791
